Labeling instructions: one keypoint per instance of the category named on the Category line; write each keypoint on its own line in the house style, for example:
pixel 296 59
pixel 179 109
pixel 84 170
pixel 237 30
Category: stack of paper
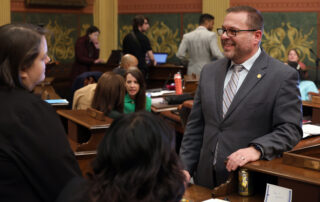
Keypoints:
pixel 310 129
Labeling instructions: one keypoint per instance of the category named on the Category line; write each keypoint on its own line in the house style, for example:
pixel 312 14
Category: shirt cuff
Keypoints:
pixel 258 148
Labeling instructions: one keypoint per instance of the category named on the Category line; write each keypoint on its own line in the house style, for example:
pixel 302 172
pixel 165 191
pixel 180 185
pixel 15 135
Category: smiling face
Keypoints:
pixel 132 86
pixel 241 47
pixel 35 74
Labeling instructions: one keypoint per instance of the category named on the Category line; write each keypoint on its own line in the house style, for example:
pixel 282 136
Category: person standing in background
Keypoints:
pixel 137 44
pixel 200 45
pixel 86 52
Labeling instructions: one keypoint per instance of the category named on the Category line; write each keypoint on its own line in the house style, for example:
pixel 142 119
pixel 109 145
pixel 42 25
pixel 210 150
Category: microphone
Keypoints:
pixel 310 49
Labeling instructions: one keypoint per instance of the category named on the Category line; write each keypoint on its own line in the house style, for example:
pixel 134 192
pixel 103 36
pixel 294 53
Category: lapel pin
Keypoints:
pixel 259 76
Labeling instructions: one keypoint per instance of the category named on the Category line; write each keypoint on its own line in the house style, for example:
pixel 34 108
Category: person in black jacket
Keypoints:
pixel 137 44
pixel 36 160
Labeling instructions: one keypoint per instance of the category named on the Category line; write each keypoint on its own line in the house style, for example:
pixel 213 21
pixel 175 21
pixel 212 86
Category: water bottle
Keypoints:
pixel 178 83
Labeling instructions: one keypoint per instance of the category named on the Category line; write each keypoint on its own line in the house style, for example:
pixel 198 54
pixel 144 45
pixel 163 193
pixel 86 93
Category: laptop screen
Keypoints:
pixel 161 58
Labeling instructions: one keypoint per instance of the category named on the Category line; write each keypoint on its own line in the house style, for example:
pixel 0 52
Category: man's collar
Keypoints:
pixel 248 63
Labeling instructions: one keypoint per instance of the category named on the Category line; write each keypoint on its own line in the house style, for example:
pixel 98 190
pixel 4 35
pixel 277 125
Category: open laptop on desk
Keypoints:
pixel 161 58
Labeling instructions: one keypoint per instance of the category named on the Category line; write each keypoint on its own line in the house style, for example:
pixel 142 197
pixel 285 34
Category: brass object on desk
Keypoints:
pixel 245 187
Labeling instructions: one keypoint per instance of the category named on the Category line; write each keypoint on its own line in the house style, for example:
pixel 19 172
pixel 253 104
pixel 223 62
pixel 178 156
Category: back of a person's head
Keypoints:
pixel 20 46
pixel 136 161
pixel 128 60
pixel 205 17
pixel 109 93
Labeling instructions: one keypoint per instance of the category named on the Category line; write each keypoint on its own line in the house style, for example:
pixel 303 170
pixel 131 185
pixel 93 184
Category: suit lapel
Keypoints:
pixel 254 76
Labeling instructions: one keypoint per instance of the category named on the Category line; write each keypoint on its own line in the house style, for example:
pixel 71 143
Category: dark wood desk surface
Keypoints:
pixel 84 132
pixel 80 117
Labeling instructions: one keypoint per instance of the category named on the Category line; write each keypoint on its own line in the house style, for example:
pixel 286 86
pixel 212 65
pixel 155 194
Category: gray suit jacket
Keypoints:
pixel 266 110
pixel 201 46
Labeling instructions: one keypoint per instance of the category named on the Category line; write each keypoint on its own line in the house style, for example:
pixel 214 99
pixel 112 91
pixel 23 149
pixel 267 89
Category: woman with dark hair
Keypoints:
pixel 136 161
pixel 36 160
pixel 305 86
pixel 86 52
pixel 109 95
pixel 135 98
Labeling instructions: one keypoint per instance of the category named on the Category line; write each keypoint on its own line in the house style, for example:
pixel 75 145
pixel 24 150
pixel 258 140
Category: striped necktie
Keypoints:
pixel 231 88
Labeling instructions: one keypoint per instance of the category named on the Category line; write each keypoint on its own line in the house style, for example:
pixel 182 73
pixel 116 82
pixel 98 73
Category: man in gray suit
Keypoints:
pixel 200 44
pixel 264 117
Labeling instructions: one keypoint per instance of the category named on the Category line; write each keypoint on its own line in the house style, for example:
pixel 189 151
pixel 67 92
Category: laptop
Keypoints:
pixel 161 58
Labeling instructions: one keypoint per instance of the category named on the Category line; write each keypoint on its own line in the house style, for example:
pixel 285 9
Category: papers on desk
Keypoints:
pixel 214 200
pixel 276 193
pixel 160 93
pixel 55 102
pixel 310 129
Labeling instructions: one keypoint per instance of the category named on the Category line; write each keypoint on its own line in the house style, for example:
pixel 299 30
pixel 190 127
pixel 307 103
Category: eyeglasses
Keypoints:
pixel 233 32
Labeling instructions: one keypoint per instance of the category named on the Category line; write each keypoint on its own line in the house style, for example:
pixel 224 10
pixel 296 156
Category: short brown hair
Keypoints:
pixel 255 19
pixel 109 94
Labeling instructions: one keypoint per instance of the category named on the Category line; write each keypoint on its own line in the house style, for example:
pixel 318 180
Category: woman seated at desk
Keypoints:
pixel 136 161
pixel 305 86
pixel 135 98
pixel 36 160
pixel 107 95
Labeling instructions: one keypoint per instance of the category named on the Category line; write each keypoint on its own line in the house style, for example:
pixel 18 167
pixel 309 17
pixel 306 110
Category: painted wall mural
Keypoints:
pixel 164 33
pixel 63 31
pixel 284 31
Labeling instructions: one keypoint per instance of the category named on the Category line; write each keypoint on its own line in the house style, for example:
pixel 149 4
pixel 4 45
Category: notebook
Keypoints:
pixel 161 58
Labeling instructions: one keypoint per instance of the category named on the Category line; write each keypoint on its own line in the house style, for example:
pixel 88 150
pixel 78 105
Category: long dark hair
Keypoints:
pixel 109 93
pixel 140 99
pixel 20 46
pixel 136 161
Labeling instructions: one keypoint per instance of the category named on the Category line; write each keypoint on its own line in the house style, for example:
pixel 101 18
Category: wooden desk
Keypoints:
pixel 84 132
pixel 160 74
pixel 305 183
pixel 315 110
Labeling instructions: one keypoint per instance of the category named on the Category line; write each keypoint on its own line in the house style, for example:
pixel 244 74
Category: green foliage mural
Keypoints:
pixel 284 31
pixel 63 31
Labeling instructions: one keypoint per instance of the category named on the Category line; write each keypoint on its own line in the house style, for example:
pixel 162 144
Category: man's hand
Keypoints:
pixel 187 177
pixel 241 157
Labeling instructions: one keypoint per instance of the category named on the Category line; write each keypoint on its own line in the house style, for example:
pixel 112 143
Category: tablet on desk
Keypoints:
pixel 57 101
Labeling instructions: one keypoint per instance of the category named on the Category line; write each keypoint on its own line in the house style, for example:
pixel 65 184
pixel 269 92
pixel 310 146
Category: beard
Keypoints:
pixel 235 51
